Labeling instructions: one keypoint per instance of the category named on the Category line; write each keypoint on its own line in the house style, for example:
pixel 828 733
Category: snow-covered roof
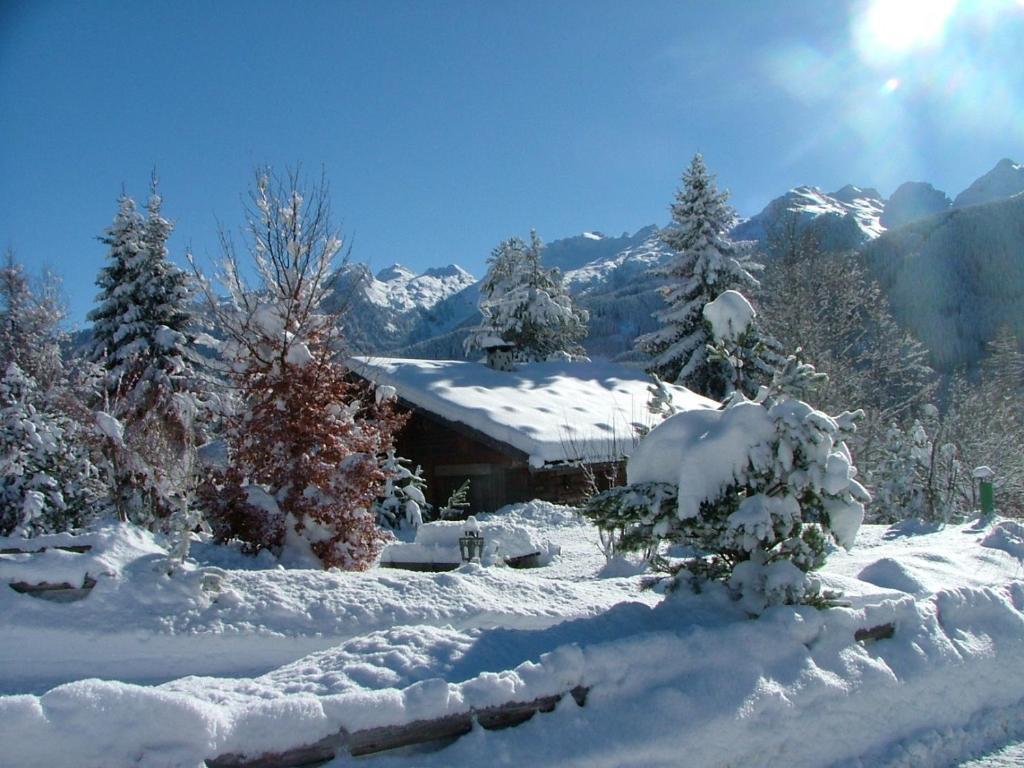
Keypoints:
pixel 553 412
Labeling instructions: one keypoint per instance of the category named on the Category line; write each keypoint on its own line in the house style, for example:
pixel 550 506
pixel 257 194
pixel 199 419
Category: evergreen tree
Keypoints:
pixel 705 264
pixel 758 490
pixel 29 324
pixel 141 338
pixel 526 305
pixel 141 328
pixel 746 355
pixel 302 472
pixel 899 480
pixel 49 483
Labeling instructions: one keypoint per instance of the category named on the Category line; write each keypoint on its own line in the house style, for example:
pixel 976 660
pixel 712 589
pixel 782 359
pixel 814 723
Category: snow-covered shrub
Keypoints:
pixel 627 517
pixel 706 263
pixel 899 481
pixel 917 477
pixel 403 503
pixel 48 481
pixel 762 490
pixel 525 305
pixel 301 473
pixel 457 506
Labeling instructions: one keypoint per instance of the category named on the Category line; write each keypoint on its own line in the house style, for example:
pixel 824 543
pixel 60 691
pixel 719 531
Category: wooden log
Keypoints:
pixel 424 567
pixel 58 593
pixel 530 560
pixel 881 632
pixel 76 548
pixel 372 740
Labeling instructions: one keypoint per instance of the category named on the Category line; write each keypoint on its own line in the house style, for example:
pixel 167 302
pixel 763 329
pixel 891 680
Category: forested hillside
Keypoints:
pixel 954 278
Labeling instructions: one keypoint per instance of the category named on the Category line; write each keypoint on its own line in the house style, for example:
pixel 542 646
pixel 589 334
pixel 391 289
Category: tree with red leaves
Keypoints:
pixel 302 470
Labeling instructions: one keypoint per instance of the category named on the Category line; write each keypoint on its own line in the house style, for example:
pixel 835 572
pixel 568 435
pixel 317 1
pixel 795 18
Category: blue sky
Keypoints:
pixel 444 127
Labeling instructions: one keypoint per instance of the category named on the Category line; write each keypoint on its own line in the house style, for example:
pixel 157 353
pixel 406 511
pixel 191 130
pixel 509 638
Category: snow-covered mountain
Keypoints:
pixel 1005 180
pixel 381 311
pixel 619 268
pixel 844 219
pixel 572 253
pixel 401 313
pixel 400 289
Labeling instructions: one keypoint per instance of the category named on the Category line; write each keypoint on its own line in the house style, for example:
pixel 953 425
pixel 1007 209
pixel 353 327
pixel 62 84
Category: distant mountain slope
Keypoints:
pixel 912 201
pixel 841 220
pixel 1005 180
pixel 952 273
pixel 619 269
pixel 955 277
pixel 571 253
pixel 381 311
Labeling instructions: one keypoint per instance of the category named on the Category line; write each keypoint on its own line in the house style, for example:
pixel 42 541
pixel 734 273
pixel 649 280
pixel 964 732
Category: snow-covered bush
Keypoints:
pixel 403 503
pixel 525 305
pixel 706 263
pixel 762 491
pixel 919 477
pixel 899 481
pixel 628 516
pixel 457 506
pixel 301 474
pixel 48 481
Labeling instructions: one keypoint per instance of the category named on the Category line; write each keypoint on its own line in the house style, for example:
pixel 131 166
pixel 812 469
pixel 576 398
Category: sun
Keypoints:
pixel 889 29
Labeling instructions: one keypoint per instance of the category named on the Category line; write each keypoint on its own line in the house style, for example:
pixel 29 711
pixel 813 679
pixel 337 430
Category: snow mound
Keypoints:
pixel 113 547
pixel 730 315
pixel 892 574
pixel 438 542
pixel 1008 536
pixel 701 451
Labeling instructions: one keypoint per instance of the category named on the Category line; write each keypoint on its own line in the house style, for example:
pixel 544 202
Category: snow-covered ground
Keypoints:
pixel 251 658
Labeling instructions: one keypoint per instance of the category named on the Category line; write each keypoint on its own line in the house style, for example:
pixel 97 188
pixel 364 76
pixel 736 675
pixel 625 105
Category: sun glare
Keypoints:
pixel 891 28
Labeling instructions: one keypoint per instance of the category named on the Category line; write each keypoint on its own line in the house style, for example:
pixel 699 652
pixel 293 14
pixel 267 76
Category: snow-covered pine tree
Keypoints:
pixel 899 481
pixel 795 379
pixel 141 337
pixel 526 305
pixel 706 263
pixel 29 324
pixel 759 490
pixel 747 356
pixel 402 504
pixel 302 472
pixel 48 481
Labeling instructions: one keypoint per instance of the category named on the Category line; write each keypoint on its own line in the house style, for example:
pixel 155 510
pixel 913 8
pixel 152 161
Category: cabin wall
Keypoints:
pixel 448 457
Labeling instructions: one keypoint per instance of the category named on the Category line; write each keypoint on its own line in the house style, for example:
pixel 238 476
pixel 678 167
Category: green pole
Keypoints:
pixel 988 505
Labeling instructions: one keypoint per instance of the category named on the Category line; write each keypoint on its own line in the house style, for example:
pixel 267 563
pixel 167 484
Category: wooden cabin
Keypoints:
pixel 551 431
